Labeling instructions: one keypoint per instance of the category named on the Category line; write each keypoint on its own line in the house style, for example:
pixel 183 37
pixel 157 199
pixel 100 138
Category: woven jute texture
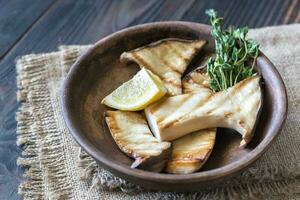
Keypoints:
pixel 56 168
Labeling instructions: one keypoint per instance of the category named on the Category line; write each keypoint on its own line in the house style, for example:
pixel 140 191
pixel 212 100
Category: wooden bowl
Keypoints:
pixel 99 71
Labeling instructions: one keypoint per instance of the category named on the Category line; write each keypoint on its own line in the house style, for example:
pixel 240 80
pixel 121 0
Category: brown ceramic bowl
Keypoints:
pixel 99 71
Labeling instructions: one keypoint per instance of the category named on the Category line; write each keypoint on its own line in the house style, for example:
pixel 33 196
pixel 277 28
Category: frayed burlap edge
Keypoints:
pixel 249 188
pixel 40 148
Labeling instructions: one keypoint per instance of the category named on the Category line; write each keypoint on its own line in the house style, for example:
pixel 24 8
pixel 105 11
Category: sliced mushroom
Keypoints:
pixel 237 108
pixel 133 136
pixel 190 152
pixel 167 58
pixel 196 82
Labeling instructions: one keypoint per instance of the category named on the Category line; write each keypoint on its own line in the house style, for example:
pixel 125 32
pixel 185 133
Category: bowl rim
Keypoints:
pixel 122 169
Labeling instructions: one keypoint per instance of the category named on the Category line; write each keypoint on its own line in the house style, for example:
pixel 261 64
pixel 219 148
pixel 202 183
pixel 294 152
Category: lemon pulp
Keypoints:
pixel 136 94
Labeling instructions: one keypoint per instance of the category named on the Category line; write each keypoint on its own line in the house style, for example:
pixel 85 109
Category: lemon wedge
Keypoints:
pixel 136 94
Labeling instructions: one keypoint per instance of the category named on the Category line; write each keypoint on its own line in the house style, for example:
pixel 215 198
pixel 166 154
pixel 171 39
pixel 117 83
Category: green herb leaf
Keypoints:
pixel 235 55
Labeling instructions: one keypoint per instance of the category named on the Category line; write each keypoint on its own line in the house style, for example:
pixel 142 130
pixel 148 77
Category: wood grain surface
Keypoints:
pixel 12 29
pixel 33 26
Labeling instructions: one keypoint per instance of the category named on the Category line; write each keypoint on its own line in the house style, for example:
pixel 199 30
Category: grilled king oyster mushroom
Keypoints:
pixel 167 58
pixel 237 108
pixel 133 136
pixel 196 82
pixel 190 152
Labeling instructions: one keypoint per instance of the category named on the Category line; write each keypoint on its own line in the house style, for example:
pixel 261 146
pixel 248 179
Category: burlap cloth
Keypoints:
pixel 57 169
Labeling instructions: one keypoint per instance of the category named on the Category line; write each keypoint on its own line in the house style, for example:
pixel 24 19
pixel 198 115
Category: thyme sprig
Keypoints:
pixel 235 55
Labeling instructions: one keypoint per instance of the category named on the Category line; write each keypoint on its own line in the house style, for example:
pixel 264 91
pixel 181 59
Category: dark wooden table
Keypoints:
pixel 33 26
